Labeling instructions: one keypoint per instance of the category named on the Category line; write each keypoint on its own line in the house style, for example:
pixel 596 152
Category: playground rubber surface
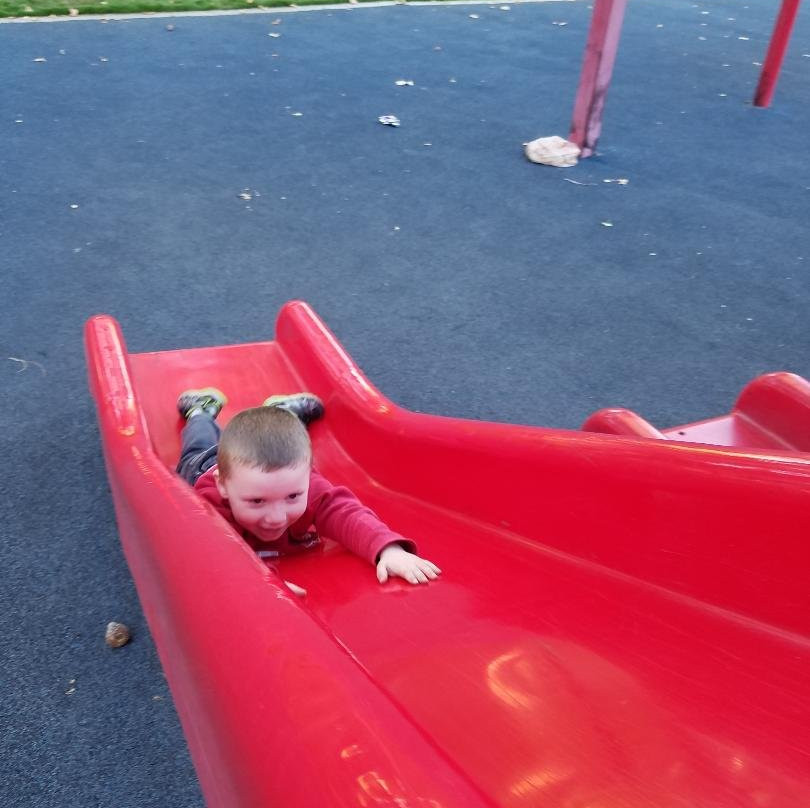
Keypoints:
pixel 164 177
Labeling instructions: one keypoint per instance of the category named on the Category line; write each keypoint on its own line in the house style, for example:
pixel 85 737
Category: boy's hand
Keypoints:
pixel 394 560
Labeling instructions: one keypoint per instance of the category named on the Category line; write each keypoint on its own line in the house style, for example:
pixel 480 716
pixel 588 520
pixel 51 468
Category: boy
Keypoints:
pixel 258 475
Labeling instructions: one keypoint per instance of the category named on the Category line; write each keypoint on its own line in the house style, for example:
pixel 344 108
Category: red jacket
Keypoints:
pixel 333 512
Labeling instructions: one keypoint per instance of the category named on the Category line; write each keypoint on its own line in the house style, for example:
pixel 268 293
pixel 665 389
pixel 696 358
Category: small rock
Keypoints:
pixel 117 634
pixel 170 27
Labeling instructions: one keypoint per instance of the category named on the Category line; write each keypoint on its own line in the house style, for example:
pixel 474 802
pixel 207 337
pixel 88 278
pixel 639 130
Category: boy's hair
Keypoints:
pixel 268 438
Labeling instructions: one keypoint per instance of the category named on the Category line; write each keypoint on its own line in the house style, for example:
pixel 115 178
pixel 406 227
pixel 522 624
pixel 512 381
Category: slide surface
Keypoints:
pixel 620 621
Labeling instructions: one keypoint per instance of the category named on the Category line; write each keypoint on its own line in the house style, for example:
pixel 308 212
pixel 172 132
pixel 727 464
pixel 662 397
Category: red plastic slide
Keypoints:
pixel 620 621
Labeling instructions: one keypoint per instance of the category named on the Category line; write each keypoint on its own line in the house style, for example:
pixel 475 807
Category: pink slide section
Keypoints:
pixel 620 621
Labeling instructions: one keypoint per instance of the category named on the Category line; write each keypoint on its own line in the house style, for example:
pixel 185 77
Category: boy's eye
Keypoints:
pixel 256 501
pixel 293 497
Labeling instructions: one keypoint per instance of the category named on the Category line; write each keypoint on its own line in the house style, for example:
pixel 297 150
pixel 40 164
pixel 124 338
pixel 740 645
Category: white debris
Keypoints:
pixel 619 181
pixel 388 120
pixel 404 83
pixel 474 16
pixel 274 35
pixel 40 59
pixel 606 224
pixel 552 151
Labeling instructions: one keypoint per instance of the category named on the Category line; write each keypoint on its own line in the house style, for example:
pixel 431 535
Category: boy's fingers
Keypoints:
pixel 420 576
pixel 382 573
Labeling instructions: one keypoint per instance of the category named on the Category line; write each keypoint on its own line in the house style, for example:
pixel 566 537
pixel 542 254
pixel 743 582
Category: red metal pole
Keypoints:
pixel 776 52
pixel 597 68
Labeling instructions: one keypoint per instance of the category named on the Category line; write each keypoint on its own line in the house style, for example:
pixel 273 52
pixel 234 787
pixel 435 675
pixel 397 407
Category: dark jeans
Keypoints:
pixel 198 450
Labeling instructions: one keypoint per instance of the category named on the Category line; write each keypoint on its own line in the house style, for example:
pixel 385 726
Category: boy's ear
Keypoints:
pixel 220 485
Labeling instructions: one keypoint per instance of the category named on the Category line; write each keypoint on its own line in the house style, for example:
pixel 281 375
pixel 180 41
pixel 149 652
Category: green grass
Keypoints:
pixel 44 8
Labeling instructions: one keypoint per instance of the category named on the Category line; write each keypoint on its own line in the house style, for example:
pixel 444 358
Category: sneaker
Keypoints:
pixel 208 400
pixel 306 406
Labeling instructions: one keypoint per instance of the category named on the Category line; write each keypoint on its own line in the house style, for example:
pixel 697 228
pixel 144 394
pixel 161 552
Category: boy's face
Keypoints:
pixel 266 503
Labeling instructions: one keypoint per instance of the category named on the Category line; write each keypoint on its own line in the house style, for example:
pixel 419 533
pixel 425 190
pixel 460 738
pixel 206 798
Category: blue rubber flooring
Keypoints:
pixel 463 279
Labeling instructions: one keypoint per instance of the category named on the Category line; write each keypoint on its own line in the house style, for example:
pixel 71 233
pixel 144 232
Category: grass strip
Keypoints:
pixel 46 8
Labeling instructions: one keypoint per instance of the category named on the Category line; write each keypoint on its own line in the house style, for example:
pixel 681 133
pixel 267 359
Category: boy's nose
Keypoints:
pixel 277 516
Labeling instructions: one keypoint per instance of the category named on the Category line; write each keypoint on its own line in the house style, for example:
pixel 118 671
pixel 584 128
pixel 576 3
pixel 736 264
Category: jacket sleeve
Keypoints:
pixel 339 515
